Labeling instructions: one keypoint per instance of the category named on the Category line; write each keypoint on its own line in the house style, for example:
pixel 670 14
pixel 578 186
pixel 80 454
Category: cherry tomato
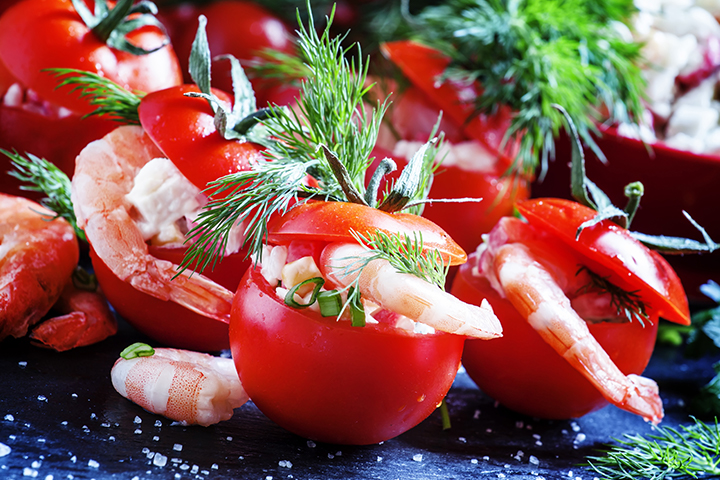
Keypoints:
pixel 43 120
pixel 184 129
pixel 334 221
pixel 329 381
pixel 521 370
pixel 239 28
pixel 527 375
pixel 413 117
pixel 165 321
pixel 66 42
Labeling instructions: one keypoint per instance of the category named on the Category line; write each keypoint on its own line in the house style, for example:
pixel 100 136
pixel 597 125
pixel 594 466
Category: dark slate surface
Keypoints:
pixel 60 418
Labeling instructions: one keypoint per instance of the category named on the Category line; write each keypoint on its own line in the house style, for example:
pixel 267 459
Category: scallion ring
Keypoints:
pixel 290 295
pixel 330 303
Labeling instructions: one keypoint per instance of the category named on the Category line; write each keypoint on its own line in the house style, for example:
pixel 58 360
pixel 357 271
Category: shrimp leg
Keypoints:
pixel 534 292
pixel 409 295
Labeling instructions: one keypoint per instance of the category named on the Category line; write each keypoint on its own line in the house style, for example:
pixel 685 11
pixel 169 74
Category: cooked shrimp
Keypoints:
pixel 185 386
pixel 85 319
pixel 104 175
pixel 409 295
pixel 37 257
pixel 539 281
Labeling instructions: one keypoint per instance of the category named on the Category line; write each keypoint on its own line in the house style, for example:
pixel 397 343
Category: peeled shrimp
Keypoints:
pixel 37 257
pixel 185 386
pixel 104 175
pixel 85 319
pixel 409 295
pixel 538 280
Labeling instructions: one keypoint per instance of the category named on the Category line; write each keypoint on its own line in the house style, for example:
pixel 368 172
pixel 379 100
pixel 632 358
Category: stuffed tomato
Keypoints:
pixel 39 116
pixel 476 163
pixel 579 311
pixel 321 375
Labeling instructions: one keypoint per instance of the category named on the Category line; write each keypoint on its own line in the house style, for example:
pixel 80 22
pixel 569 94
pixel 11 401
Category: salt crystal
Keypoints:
pixel 64 422
pixel 4 450
pixel 488 430
pixel 214 466
pixel 194 469
pixel 22 364
pixel 93 416
pixel 36 464
pixel 137 419
pixel 379 459
pixel 137 431
pixel 159 460
pixel 486 458
pixel 74 395
pixel 311 444
pixel 49 477
pixel 41 440
pixel 534 460
pixel 9 418
pixel 338 453
pixel 111 438
pixel 285 464
pixel 158 423
pixel 156 438
pixel 177 447
pixel 93 464
pixel 105 425
pixel 418 457
pixel 184 466
pixel 42 398
pixel 519 424
pixel 462 440
pixel 575 427
pixel 474 461
pixel 73 459
pixel 145 450
pixel 29 472
pixel 476 415
pixel 149 454
pixel 229 439
pixel 331 456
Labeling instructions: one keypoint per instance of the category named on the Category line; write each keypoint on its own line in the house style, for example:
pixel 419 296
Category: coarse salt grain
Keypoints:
pixel 42 398
pixel 9 418
pixel 137 419
pixel 418 457
pixel 29 472
pixel 93 464
pixel 474 461
pixel 285 464
pixel 177 447
pixel 4 450
pixel 137 431
pixel 311 444
pixel 158 423
pixel 156 438
pixel 22 364
pixel 159 460
pixel 379 459
pixel 534 460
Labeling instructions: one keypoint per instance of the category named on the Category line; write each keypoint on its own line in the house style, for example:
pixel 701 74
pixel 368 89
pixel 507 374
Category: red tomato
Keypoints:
pixel 66 42
pixel 329 381
pixel 46 121
pixel 165 321
pixel 184 129
pixel 333 222
pixel 527 375
pixel 521 370
pixel 239 28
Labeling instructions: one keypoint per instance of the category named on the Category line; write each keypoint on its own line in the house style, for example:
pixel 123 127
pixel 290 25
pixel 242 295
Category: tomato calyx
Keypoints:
pixel 112 25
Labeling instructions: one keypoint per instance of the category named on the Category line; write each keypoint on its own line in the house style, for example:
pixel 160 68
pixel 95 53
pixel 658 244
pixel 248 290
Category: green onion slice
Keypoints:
pixel 290 295
pixel 330 303
pixel 357 312
pixel 137 349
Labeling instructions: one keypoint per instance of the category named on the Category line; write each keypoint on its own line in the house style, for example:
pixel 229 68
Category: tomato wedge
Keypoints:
pixel 183 128
pixel 424 66
pixel 612 251
pixel 334 221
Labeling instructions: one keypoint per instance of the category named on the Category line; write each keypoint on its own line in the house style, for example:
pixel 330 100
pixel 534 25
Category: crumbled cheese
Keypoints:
pixel 469 155
pixel 298 271
pixel 162 195
pixel 273 260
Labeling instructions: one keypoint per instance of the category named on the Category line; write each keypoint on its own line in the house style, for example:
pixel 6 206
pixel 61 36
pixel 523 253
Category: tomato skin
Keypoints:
pixel 333 222
pixel 331 382
pixel 522 372
pixel 184 129
pixel 66 42
pixel 164 321
pixel 610 250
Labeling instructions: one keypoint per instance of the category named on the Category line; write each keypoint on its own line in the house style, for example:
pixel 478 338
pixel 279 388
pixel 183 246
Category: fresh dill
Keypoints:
pixel 109 98
pixel 532 54
pixel 322 150
pixel 627 304
pixel 688 451
pixel 39 175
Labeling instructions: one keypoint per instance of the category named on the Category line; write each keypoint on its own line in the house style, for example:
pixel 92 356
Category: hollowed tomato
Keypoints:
pixel 328 381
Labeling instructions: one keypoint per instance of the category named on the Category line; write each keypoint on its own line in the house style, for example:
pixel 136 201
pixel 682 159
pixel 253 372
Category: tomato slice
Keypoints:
pixel 333 222
pixel 612 251
pixel 331 382
pixel 184 129
pixel 424 66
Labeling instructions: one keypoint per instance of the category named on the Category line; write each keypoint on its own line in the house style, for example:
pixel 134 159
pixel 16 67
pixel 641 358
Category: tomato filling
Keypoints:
pixel 300 284
pixel 17 96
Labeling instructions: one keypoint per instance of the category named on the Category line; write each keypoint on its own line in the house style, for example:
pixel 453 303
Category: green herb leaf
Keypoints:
pixel 532 54
pixel 669 453
pixel 39 175
pixel 111 99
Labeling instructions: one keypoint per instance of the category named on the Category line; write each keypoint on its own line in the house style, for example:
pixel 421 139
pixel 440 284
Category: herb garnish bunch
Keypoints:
pixel 532 54
pixel 319 150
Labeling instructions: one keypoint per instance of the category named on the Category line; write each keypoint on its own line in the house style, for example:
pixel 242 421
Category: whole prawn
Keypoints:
pixel 543 283
pixel 104 175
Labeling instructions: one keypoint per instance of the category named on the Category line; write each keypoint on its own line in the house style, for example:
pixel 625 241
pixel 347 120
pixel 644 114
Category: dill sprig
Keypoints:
pixel 406 254
pixel 531 54
pixel 39 175
pixel 690 451
pixel 328 138
pixel 627 304
pixel 111 99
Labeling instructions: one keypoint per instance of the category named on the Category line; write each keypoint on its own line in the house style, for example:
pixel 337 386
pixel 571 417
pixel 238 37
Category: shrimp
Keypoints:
pixel 104 175
pixel 86 319
pixel 37 257
pixel 408 295
pixel 189 387
pixel 539 280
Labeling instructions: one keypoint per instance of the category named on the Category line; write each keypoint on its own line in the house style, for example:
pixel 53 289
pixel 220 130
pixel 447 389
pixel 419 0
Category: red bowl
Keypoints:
pixel 674 180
